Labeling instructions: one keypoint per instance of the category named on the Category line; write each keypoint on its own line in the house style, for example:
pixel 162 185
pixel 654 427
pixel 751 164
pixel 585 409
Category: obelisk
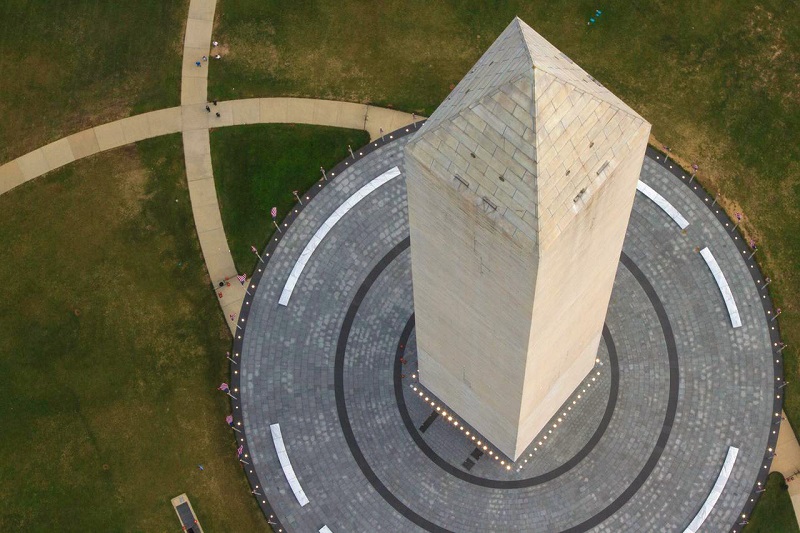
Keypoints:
pixel 520 187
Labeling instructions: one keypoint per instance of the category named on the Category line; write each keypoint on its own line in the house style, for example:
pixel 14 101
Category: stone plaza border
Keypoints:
pixel 654 155
pixel 235 376
pixel 767 305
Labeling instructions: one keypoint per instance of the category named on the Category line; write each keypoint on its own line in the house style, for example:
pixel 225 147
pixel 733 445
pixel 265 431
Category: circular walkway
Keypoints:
pixel 638 447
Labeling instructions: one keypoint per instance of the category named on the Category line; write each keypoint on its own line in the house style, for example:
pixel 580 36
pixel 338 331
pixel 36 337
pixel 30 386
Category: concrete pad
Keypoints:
pixel 189 68
pixel 165 121
pixel 787 458
pixel 196 143
pixel 300 110
pixel 58 154
pixel 246 111
pixel 388 119
pixel 194 117
pixel 207 217
pixel 273 110
pixel 198 34
pixel 194 91
pixel 135 128
pixel 218 258
pixel 202 9
pixel 33 164
pixel 232 304
pixel 10 176
pixel 110 135
pixel 203 192
pixel 225 118
pixel 83 143
pixel 352 115
pixel 326 112
pixel 198 167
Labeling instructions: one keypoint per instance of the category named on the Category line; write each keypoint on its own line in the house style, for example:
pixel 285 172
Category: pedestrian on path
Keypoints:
pixel 197 63
pixel 215 102
pixel 208 108
pixel 217 114
pixel 205 58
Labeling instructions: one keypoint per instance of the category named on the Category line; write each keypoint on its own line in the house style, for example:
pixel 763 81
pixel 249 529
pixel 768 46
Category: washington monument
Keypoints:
pixel 520 186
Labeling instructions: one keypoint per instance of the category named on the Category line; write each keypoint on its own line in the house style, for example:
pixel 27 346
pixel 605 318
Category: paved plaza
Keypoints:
pixel 638 447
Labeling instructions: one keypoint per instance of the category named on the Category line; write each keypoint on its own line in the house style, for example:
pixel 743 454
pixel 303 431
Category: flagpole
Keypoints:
pixel 276 226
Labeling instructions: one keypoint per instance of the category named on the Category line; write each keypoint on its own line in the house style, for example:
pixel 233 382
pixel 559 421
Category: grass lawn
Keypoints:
pixel 111 347
pixel 70 64
pixel 717 79
pixel 257 167
pixel 773 512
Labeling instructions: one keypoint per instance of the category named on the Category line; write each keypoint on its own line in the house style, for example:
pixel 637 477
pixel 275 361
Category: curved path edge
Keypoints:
pixel 194 122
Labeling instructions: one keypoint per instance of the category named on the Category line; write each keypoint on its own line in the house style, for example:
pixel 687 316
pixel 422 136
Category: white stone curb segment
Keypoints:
pixel 716 491
pixel 288 471
pixel 727 295
pixel 662 202
pixel 327 226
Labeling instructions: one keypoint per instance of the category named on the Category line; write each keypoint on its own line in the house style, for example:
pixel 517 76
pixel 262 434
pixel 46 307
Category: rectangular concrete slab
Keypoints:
pixel 191 56
pixel 165 121
pixel 203 192
pixel 194 117
pixel 273 109
pixel 207 217
pixel 245 111
pixel 198 167
pixel 135 128
pixel 326 112
pixel 194 90
pixel 202 9
pixel 388 119
pixel 58 153
pixel 33 164
pixel 83 143
pixel 300 110
pixel 198 34
pixel 225 117
pixel 196 142
pixel 10 176
pixel 109 135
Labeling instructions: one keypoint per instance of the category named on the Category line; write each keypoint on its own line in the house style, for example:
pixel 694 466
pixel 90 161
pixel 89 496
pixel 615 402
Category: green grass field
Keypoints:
pixel 717 79
pixel 257 167
pixel 67 65
pixel 111 347
pixel 773 512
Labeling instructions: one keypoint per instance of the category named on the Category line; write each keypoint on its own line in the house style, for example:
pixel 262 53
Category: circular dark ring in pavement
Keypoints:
pixel 511 483
pixel 400 507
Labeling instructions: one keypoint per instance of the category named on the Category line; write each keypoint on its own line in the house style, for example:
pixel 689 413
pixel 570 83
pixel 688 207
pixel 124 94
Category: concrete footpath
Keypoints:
pixel 787 462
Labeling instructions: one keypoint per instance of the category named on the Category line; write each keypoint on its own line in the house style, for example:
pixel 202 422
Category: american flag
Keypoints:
pixel 254 249
pixel 752 243
pixel 233 316
pixel 738 216
pixel 274 212
pixel 223 387
pixel 229 420
pixel 240 450
pixel 242 278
